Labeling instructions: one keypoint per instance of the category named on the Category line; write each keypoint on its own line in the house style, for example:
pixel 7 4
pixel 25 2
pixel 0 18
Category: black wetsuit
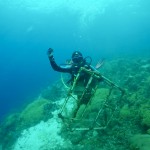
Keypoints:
pixel 72 69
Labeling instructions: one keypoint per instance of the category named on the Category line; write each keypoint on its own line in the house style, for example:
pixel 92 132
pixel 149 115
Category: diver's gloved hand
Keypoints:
pixel 50 52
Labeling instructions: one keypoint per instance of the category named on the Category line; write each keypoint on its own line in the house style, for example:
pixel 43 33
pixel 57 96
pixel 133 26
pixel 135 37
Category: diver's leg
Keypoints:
pixel 76 109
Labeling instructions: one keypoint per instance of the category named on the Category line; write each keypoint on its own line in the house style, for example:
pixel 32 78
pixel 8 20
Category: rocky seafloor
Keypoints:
pixel 37 126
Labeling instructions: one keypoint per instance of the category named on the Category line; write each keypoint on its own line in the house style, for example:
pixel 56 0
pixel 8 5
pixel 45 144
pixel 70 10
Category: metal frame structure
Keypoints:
pixel 93 76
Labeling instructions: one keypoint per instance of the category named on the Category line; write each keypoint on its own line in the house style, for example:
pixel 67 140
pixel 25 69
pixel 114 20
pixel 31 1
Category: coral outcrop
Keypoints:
pixel 129 127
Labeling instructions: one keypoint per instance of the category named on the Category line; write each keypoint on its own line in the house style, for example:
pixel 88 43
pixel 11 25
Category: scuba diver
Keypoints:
pixel 77 61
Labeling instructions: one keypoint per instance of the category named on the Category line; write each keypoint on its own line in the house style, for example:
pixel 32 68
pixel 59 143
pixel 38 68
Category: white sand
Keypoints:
pixel 44 135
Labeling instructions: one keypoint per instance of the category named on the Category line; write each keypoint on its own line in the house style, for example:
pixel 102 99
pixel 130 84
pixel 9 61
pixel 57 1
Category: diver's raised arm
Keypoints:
pixel 54 64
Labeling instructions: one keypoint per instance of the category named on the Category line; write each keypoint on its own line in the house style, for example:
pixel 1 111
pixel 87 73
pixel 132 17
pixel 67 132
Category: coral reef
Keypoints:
pixel 140 142
pixel 35 112
pixel 145 114
pixel 40 109
pixel 129 127
pixel 54 92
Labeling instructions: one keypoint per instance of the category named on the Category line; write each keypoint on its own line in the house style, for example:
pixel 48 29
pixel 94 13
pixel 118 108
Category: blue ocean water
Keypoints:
pixel 101 29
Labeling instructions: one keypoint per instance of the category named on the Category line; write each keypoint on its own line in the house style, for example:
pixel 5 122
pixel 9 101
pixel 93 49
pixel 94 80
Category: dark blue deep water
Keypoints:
pixel 102 29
